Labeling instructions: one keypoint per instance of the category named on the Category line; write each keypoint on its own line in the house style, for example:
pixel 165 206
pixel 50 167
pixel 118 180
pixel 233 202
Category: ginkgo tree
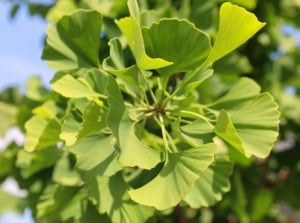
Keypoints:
pixel 131 137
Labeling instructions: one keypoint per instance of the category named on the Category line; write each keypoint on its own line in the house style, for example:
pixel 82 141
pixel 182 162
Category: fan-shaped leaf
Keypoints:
pixel 41 133
pixel 132 151
pixel 96 156
pixel 236 26
pixel 73 41
pixel 211 185
pixel 117 204
pixel 176 178
pixel 132 31
pixel 178 41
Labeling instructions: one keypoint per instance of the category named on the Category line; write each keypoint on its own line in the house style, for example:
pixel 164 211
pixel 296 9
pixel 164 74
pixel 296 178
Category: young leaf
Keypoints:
pixel 73 42
pixel 236 26
pixel 41 133
pixel 168 40
pixel 132 151
pixel 132 31
pixel 176 178
pixel 211 185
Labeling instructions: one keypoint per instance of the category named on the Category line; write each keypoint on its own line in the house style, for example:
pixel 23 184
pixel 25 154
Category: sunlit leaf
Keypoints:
pixel 132 151
pixel 253 128
pixel 73 41
pixel 131 30
pixel 41 133
pixel 168 40
pixel 71 87
pixel 236 26
pixel 211 185
pixel 176 178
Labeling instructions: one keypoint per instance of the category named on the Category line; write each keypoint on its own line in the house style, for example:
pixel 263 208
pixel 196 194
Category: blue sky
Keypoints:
pixel 21 41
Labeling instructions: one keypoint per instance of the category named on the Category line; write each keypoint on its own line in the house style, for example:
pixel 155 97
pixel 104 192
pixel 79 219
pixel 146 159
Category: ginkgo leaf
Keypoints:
pixel 131 30
pixel 132 151
pixel 7 113
pixel 167 39
pixel 96 156
pixel 71 87
pixel 73 42
pixel 176 178
pixel 93 119
pixel 211 185
pixel 236 26
pixel 41 133
pixel 33 162
pixel 253 128
pixel 117 203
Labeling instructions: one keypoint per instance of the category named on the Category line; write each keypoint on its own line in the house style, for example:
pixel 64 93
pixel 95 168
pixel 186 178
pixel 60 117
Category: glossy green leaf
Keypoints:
pixel 41 133
pixel 178 41
pixel 236 26
pixel 176 178
pixel 132 31
pixel 253 128
pixel 132 151
pixel 211 185
pixel 117 203
pixel 73 41
pixel 96 156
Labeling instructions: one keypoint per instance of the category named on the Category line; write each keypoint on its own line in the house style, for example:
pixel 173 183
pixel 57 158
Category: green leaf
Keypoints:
pixel 47 110
pixel 117 204
pixel 33 162
pixel 131 147
pixel 7 113
pixel 262 202
pixel 116 105
pixel 168 40
pixel 61 8
pixel 41 133
pixel 244 90
pixel 253 128
pixel 60 204
pixel 96 156
pixel 133 34
pixel 12 203
pixel 211 185
pixel 236 26
pixel 70 87
pixel 64 172
pixel 73 42
pixel 176 178
pixel 93 120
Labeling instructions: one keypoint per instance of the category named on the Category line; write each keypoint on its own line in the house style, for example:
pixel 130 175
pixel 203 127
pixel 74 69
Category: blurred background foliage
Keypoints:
pixel 264 191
